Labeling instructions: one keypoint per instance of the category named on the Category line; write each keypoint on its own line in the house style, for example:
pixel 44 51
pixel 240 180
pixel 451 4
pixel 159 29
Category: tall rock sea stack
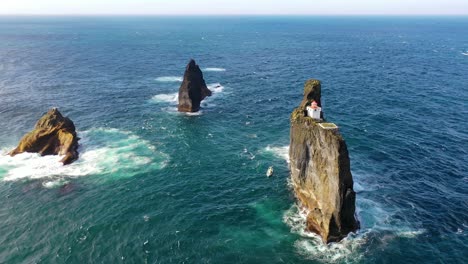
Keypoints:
pixel 320 171
pixel 53 134
pixel 193 89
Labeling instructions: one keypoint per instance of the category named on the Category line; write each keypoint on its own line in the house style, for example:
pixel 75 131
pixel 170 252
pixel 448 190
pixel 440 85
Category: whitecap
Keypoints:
pixel 199 113
pixel 174 110
pixel 465 53
pixel 410 233
pixel 280 152
pixel 214 69
pixel 104 151
pixel 216 88
pixel 166 98
pixel 54 183
pixel 170 79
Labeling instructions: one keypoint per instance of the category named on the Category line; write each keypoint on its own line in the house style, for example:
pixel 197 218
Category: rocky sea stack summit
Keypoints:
pixel 193 89
pixel 320 169
pixel 53 134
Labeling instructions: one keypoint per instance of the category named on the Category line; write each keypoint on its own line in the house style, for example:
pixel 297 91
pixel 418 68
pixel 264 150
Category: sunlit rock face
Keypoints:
pixel 53 134
pixel 320 172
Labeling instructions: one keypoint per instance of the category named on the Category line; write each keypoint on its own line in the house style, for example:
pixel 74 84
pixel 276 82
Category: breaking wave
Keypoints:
pixel 279 152
pixel 216 88
pixel 104 151
pixel 214 69
pixel 166 98
pixel 311 246
pixel 170 79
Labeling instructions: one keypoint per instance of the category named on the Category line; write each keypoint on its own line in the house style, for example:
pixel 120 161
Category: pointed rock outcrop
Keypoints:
pixel 53 134
pixel 193 89
pixel 320 171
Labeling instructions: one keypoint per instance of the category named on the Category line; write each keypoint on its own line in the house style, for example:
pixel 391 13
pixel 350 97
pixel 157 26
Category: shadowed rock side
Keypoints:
pixel 320 172
pixel 52 135
pixel 193 89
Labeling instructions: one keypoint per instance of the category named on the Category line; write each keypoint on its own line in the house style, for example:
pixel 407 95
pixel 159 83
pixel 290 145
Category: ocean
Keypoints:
pixel 156 186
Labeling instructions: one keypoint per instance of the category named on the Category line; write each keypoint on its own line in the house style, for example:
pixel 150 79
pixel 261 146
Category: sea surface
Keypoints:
pixel 156 186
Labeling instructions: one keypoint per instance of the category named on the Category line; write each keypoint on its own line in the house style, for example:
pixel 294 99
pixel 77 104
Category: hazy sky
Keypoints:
pixel 199 7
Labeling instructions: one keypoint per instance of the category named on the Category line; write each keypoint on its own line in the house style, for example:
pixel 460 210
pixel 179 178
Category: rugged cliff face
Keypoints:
pixel 320 172
pixel 193 89
pixel 52 135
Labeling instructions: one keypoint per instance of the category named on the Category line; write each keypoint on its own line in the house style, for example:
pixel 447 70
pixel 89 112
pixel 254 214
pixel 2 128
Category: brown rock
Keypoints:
pixel 52 135
pixel 193 89
pixel 321 173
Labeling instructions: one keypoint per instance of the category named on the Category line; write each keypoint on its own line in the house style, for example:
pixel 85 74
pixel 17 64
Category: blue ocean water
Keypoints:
pixel 156 186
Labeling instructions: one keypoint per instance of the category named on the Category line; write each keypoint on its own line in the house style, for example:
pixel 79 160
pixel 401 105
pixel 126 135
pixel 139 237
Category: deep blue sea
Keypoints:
pixel 156 186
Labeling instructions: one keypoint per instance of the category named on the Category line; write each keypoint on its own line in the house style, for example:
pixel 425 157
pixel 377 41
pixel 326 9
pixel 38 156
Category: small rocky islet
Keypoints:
pixel 193 89
pixel 320 170
pixel 53 134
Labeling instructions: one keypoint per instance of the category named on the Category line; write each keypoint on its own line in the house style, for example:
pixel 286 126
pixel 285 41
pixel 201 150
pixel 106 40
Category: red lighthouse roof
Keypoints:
pixel 314 105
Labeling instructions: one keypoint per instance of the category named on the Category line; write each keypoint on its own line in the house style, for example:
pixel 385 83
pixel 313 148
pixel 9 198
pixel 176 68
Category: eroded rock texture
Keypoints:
pixel 320 172
pixel 53 134
pixel 193 89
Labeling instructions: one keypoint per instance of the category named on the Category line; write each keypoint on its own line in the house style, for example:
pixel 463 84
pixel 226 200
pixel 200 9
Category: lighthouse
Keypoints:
pixel 314 110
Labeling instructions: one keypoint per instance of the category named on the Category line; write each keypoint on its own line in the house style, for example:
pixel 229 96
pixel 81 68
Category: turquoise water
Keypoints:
pixel 156 186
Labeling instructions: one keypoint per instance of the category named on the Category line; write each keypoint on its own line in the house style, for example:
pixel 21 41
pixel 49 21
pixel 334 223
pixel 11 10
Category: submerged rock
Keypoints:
pixel 320 171
pixel 193 89
pixel 52 135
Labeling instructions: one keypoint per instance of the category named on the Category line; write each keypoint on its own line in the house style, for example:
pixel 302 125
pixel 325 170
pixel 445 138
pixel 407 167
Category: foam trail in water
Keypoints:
pixel 110 152
pixel 214 69
pixel 280 152
pixel 170 79
pixel 166 98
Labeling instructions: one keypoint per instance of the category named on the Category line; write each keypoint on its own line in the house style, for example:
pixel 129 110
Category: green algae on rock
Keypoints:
pixel 320 171
pixel 53 134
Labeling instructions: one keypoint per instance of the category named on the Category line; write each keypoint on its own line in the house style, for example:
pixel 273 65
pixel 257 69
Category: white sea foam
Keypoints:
pixel 374 224
pixel 214 69
pixel 465 53
pixel 280 152
pixel 216 88
pixel 54 183
pixel 170 79
pixel 199 113
pixel 166 98
pixel 311 246
pixel 105 152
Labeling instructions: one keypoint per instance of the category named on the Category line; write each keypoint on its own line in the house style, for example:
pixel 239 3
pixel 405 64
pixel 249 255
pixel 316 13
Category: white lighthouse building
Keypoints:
pixel 314 110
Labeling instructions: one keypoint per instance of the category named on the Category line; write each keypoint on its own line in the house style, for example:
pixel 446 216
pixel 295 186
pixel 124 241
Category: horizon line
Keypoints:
pixel 232 15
